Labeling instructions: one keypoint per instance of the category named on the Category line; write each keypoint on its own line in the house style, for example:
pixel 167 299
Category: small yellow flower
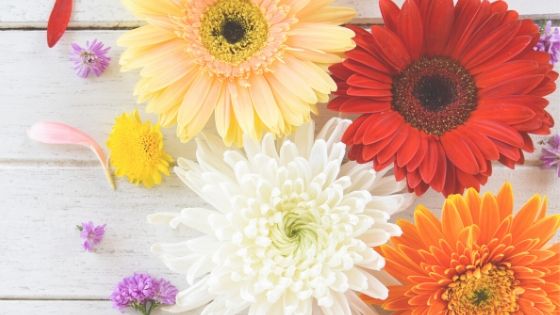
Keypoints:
pixel 137 150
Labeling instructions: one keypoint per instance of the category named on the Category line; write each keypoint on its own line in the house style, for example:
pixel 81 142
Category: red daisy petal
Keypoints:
pixel 429 165
pixel 416 161
pixel 517 46
pixel 451 184
pixel 459 153
pixel 390 12
pixel 482 13
pixel 359 81
pixel 515 86
pixel 464 13
pixel 394 52
pixel 486 146
pixel 438 26
pixel 439 179
pixel 410 28
pixel 354 91
pixel 409 148
pixel 389 151
pixel 490 46
pixel 382 126
pixel 506 72
pixel 508 151
pixel 366 59
pixel 358 105
pixel 499 132
pixel 503 112
pixel 364 71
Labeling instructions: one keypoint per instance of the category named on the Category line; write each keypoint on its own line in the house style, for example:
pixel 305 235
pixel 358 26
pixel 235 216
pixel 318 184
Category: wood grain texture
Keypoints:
pixel 61 308
pixel 111 13
pixel 47 190
pixel 40 84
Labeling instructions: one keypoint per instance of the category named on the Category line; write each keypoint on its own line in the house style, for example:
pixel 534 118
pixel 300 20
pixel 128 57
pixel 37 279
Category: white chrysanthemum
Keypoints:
pixel 291 230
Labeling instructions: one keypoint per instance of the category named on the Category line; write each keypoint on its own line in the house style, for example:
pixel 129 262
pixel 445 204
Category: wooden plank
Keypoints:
pixel 41 252
pixel 111 13
pixel 41 248
pixel 39 84
pixel 27 307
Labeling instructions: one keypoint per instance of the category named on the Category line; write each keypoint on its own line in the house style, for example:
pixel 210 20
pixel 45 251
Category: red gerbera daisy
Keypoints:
pixel 443 90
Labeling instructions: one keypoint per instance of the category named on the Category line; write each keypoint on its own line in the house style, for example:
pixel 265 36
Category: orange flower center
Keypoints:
pixel 484 290
pixel 435 94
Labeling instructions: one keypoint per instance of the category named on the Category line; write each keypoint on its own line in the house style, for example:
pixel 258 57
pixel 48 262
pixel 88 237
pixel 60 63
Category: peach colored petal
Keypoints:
pixel 60 133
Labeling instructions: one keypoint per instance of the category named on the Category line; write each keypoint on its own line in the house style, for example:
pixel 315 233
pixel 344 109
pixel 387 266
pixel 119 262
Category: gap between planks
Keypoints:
pixel 53 299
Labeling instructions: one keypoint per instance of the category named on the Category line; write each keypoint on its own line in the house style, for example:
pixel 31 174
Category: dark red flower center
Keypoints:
pixel 434 94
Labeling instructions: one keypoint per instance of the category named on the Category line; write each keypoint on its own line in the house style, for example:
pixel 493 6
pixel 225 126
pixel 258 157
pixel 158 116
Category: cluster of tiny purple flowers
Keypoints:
pixel 550 42
pixel 143 293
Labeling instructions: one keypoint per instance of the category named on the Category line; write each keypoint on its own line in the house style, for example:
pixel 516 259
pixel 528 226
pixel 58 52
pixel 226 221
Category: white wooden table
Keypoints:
pixel 45 190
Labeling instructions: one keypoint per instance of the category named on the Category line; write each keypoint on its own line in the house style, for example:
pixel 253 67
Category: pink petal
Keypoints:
pixel 60 133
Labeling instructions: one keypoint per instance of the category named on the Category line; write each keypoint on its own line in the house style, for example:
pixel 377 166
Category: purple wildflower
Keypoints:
pixel 551 155
pixel 550 42
pixel 166 292
pixel 92 58
pixel 91 234
pixel 143 293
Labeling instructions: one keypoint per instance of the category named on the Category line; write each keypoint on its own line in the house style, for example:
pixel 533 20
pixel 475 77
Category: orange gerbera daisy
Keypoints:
pixel 480 259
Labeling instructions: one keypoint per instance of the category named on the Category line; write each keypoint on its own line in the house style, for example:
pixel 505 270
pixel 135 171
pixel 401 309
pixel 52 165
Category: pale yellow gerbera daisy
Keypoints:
pixel 137 150
pixel 257 65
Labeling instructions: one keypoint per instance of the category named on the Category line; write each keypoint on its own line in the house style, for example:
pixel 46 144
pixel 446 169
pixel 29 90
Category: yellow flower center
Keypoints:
pixel 149 147
pixel 233 30
pixel 487 290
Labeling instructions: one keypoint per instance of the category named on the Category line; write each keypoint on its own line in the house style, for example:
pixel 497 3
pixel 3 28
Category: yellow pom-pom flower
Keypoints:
pixel 254 65
pixel 137 150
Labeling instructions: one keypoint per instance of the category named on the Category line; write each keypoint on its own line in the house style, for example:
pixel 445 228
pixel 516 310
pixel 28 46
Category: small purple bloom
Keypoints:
pixel 550 42
pixel 92 58
pixel 551 154
pixel 141 287
pixel 91 234
pixel 143 293
pixel 166 292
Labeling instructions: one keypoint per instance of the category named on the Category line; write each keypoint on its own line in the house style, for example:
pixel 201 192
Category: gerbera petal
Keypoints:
pixel 390 12
pixel 410 28
pixel 381 126
pixel 514 49
pixel 191 102
pixel 243 108
pixel 399 57
pixel 323 37
pixel 459 153
pixel 200 118
pixel 451 221
pixel 265 104
pixel 409 149
pixel 499 132
pixel 429 166
pixel 438 26
pixel 293 82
